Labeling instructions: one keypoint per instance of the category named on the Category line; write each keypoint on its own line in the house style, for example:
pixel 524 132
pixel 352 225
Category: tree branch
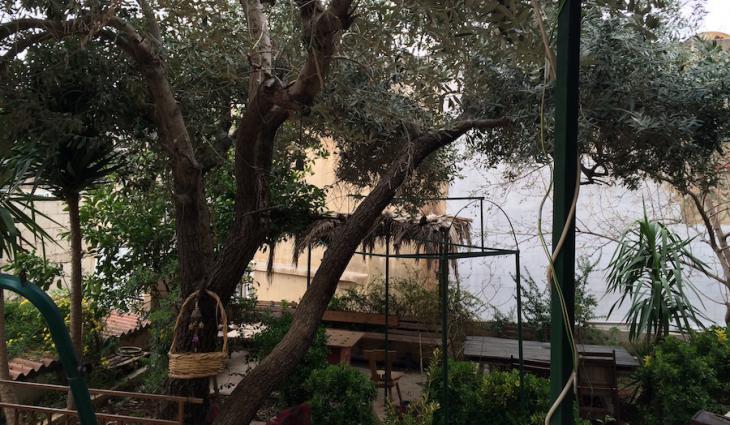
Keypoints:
pixel 255 387
pixel 20 46
pixel 151 24
pixel 269 107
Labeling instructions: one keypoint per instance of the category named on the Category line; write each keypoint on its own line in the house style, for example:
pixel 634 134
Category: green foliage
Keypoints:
pixel 410 298
pixel 17 208
pixel 713 345
pixel 536 301
pixel 679 378
pixel 495 395
pixel 292 391
pixel 77 164
pixel 419 413
pixel 646 270
pixel 501 396
pixel 651 105
pixel 464 400
pixel 130 231
pixel 341 395
pixel 35 269
pixel 162 326
pixel 28 335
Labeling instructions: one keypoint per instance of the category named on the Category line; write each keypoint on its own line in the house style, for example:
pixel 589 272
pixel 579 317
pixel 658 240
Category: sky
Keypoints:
pixel 718 16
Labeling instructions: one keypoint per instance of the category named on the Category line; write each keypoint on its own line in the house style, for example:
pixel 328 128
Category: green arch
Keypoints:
pixel 61 339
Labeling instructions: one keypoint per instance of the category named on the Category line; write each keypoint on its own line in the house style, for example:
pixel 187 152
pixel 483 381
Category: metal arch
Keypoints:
pixel 61 340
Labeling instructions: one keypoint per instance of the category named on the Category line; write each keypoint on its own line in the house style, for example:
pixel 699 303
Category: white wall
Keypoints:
pixel 606 210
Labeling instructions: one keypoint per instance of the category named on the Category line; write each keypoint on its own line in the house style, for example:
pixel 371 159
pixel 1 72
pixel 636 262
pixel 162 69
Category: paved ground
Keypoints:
pixel 411 384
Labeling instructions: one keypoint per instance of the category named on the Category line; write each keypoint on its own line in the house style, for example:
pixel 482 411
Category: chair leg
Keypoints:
pixel 400 399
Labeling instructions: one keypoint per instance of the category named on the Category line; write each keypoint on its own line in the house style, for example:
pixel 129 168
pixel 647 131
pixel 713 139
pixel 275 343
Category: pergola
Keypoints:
pixel 439 238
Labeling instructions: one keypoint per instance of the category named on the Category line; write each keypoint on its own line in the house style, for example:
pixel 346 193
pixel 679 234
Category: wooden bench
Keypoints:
pixel 355 318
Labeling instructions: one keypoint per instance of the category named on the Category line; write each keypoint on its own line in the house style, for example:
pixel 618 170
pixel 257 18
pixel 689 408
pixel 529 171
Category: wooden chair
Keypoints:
pixel 375 357
pixel 598 386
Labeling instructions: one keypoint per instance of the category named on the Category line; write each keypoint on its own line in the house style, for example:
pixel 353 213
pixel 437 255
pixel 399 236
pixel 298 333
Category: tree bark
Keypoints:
pixel 7 394
pixel 74 224
pixel 716 237
pixel 76 277
pixel 248 395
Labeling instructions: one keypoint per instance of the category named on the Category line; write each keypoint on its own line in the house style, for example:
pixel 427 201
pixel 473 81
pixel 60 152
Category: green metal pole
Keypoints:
pixel 520 351
pixel 566 158
pixel 61 339
pixel 387 311
pixel 444 290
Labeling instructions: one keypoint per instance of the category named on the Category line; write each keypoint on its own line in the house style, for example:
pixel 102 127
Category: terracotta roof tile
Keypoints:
pixel 120 324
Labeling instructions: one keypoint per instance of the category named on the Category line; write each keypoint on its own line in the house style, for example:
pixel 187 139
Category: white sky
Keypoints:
pixel 718 16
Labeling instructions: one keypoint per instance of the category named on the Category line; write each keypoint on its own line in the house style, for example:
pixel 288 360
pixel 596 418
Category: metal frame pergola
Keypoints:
pixel 447 252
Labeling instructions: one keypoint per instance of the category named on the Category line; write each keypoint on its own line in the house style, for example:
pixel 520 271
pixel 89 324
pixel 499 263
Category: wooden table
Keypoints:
pixel 340 344
pixel 502 350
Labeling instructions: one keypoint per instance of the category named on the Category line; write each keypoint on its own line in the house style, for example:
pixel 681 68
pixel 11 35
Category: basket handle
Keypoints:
pixel 219 305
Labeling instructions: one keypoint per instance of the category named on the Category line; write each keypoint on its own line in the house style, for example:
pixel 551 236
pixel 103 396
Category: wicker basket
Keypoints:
pixel 198 365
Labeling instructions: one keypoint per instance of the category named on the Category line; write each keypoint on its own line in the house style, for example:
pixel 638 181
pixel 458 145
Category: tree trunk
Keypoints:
pixel 76 277
pixel 248 395
pixel 7 394
pixel 77 338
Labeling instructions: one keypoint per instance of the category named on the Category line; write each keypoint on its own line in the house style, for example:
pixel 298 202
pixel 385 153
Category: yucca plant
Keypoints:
pixel 646 270
pixel 17 211
pixel 72 166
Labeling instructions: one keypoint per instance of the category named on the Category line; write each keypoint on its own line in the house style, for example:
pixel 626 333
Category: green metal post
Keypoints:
pixel 61 339
pixel 566 158
pixel 387 311
pixel 444 290
pixel 520 353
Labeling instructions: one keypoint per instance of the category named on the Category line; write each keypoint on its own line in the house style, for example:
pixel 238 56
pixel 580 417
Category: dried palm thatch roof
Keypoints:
pixel 421 233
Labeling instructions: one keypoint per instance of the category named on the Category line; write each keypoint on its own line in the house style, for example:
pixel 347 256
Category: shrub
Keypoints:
pixel 28 334
pixel 500 398
pixel 536 300
pixel 675 382
pixel 420 413
pixel 292 392
pixel 496 395
pixel 714 346
pixel 341 395
pixel 464 404
pixel 409 298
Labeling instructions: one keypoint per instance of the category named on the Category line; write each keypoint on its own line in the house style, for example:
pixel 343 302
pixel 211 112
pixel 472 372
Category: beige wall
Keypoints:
pixel 289 281
pixel 57 250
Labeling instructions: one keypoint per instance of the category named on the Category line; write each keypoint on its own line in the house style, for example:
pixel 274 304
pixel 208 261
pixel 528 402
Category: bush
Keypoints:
pixel 341 395
pixel 713 345
pixel 292 392
pixel 676 381
pixel 536 301
pixel 28 334
pixel 496 395
pixel 420 413
pixel 500 398
pixel 409 298
pixel 464 404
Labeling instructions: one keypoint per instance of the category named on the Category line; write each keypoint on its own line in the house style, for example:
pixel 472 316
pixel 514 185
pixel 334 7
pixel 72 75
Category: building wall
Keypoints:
pixel 58 248
pixel 288 281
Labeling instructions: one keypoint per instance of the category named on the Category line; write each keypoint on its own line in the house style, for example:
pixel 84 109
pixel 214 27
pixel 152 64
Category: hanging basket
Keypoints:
pixel 198 365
